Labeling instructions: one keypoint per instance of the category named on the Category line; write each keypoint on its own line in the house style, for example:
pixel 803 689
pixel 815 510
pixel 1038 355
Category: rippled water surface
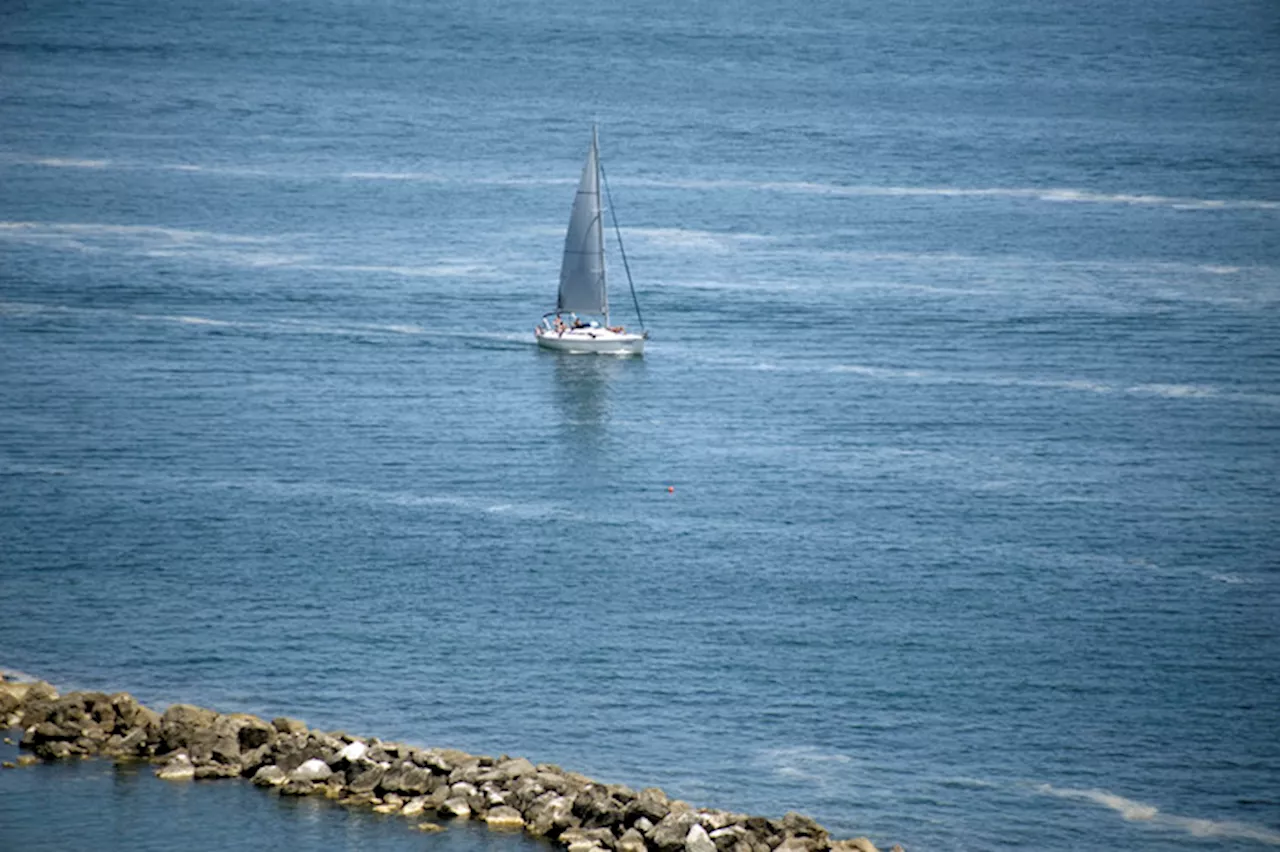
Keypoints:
pixel 965 372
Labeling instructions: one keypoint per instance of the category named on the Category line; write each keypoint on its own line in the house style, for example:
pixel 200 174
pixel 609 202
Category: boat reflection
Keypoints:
pixel 587 390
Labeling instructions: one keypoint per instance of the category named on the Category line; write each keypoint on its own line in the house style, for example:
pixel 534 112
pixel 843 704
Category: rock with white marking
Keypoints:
pixel 179 768
pixel 314 769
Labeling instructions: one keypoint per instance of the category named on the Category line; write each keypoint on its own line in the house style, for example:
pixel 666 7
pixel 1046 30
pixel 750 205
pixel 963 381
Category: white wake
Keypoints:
pixel 1136 811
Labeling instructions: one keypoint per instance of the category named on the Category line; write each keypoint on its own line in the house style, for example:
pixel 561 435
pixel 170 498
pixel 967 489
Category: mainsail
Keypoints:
pixel 582 282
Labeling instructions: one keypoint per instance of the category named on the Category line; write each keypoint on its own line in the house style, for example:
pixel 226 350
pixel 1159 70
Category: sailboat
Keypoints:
pixel 580 322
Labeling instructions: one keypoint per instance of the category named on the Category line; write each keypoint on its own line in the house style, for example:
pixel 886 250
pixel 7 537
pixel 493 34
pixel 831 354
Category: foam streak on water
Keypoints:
pixel 1137 811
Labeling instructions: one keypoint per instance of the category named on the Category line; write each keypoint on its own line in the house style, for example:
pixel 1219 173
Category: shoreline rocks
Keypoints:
pixel 576 813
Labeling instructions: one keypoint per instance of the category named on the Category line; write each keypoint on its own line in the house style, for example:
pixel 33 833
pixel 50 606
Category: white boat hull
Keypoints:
pixel 600 341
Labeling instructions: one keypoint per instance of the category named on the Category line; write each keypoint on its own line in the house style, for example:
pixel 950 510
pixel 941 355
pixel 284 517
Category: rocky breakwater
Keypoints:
pixel 285 756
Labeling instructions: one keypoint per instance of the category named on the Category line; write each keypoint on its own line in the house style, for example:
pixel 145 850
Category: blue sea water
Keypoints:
pixel 965 372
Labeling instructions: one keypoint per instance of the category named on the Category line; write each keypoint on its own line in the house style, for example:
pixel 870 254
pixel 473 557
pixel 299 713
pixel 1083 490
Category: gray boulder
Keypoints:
pixel 69 711
pixel 433 800
pixel 407 777
pixel 504 817
pixel 728 837
pixel 697 840
pixel 270 776
pixel 794 843
pixel 11 698
pixel 631 841
pixel 856 844
pixel 297 788
pixel 414 807
pixel 714 820
pixel 216 770
pixel 49 730
pixel 254 759
pixel 800 825
pixel 521 792
pixel 348 755
pixel 493 795
pixel 468 770
pixel 37 703
pixel 82 714
pixel 455 807
pixel 217 742
pixel 463 790
pixel 670 833
pixel 366 780
pixel 554 778
pixel 550 815
pixel 131 744
pixel 507 770
pixel 312 770
pixel 252 732
pixel 101 711
pixel 129 713
pixel 597 808
pixel 56 750
pixel 285 725
pixel 292 750
pixel 599 837
pixel 650 803
pixel 181 722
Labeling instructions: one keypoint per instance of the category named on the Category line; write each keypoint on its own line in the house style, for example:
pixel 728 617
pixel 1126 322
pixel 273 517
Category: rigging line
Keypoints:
pixel 621 250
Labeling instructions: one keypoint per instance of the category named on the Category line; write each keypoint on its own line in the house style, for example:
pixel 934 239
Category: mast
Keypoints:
pixel 604 277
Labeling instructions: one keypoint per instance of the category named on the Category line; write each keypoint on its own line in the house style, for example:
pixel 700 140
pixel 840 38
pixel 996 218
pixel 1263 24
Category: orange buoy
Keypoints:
pixel 671 489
